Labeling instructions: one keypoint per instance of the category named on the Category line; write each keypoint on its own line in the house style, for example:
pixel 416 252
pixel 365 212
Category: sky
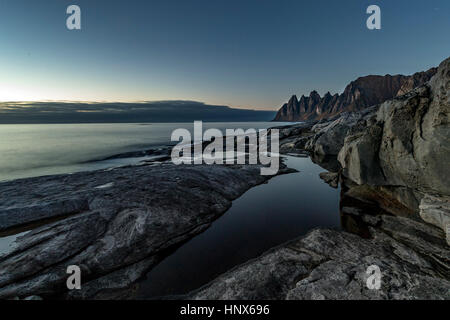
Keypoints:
pixel 240 53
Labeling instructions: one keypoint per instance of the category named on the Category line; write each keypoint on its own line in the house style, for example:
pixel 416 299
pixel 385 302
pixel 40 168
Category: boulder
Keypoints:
pixel 329 136
pixel 436 210
pixel 332 178
pixel 407 145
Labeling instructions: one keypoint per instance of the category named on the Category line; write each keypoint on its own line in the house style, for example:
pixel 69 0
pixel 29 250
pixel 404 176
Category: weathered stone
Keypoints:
pixel 436 210
pixel 328 264
pixel 359 157
pixel 331 178
pixel 405 148
pixel 15 216
pixel 142 211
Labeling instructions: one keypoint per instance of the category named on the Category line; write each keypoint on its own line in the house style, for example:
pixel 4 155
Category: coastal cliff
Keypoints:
pixel 397 150
pixel 391 163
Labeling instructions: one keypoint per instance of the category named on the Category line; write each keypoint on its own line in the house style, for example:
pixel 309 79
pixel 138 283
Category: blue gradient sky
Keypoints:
pixel 243 53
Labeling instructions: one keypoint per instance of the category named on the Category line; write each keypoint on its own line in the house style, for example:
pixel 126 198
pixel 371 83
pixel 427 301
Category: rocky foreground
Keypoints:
pixel 114 224
pixel 392 163
pixel 329 264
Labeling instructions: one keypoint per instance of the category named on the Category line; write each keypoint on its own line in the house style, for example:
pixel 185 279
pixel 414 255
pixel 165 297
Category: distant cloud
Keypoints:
pixel 147 111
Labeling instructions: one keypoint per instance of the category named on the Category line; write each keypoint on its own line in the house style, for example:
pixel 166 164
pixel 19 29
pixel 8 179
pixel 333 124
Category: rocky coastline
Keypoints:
pixel 391 162
pixel 116 224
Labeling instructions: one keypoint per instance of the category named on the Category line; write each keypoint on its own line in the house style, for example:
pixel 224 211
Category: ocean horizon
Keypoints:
pixel 31 150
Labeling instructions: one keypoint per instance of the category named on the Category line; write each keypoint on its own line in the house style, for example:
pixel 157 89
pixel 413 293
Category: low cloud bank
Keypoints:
pixel 116 112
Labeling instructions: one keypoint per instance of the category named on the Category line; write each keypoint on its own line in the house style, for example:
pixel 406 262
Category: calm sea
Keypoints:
pixel 265 216
pixel 44 149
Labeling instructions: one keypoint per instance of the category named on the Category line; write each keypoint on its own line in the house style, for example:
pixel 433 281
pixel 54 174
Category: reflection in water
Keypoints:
pixel 7 243
pixel 357 216
pixel 351 220
pixel 329 163
pixel 268 215
pixel 264 217
pixel 8 237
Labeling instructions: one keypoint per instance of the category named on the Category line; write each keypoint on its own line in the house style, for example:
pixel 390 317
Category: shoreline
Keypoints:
pixel 394 208
pixel 74 148
pixel 100 215
pixel 142 266
pixel 97 287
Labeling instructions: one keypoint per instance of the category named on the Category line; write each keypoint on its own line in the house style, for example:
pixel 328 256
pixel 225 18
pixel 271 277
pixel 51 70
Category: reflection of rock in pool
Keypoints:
pixel 264 217
pixel 357 216
pixel 121 231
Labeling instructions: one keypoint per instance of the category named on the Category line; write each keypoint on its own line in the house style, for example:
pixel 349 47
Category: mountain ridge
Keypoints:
pixel 359 94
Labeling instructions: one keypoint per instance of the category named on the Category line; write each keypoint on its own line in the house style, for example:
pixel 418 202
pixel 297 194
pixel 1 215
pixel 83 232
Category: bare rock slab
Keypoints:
pixel 328 264
pixel 123 217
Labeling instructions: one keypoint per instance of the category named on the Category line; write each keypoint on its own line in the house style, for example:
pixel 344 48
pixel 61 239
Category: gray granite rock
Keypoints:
pixel 327 264
pixel 392 155
pixel 436 210
pixel 127 218
pixel 329 136
pixel 332 178
pixel 408 144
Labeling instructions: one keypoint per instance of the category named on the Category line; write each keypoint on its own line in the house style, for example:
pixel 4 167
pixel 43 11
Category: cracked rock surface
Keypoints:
pixel 114 224
pixel 326 264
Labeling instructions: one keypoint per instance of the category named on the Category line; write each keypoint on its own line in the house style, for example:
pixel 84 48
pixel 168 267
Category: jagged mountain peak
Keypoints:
pixel 293 99
pixel 359 94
